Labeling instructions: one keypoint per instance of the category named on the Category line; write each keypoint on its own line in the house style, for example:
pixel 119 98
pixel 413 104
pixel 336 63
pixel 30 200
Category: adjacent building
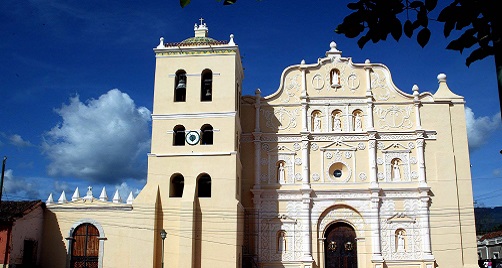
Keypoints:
pixel 21 227
pixel 337 168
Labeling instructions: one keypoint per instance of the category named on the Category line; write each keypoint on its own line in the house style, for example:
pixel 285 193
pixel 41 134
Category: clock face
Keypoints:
pixel 192 137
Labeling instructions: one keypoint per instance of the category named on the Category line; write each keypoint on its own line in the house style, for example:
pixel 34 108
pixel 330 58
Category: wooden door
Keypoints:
pixel 340 248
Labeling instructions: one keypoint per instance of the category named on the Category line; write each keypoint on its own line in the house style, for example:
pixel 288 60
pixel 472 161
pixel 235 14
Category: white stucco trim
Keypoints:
pixel 101 239
pixel 192 116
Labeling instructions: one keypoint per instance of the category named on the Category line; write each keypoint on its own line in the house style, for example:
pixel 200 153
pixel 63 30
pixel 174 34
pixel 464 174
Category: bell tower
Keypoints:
pixel 194 161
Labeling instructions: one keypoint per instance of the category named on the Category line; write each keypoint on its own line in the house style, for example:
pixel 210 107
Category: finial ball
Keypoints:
pixel 442 77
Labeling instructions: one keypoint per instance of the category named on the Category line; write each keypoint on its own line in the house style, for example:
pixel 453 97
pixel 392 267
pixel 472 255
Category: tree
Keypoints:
pixel 478 19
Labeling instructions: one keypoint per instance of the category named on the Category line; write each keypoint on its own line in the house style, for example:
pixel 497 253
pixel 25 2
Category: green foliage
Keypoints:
pixel 375 19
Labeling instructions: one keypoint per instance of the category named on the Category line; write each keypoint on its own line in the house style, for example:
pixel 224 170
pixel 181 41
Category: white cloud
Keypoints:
pixel 479 129
pixel 17 188
pixel 104 139
pixel 18 141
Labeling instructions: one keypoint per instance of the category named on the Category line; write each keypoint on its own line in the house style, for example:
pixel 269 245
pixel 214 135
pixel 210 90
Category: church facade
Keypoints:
pixel 337 168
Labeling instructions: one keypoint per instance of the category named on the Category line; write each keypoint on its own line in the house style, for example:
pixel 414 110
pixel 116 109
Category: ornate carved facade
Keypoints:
pixel 337 168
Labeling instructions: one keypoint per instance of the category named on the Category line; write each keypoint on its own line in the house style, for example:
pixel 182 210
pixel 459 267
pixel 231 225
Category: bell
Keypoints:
pixel 181 84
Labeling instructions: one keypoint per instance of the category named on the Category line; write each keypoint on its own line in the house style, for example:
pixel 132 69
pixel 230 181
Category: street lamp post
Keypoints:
pixel 163 235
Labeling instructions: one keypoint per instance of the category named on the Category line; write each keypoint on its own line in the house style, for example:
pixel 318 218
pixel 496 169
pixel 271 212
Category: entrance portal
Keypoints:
pixel 340 248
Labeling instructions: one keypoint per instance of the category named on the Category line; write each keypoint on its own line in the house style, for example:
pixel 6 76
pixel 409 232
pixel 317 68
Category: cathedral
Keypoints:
pixel 338 168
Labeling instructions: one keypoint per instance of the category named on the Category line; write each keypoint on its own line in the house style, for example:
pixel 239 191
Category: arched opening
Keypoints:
pixel 316 121
pixel 180 86
pixel 340 246
pixel 336 120
pixel 204 186
pixel 357 120
pixel 177 185
pixel 400 240
pixel 281 241
pixel 334 78
pixel 396 169
pixel 207 135
pixel 179 135
pixel 281 171
pixel 85 247
pixel 206 87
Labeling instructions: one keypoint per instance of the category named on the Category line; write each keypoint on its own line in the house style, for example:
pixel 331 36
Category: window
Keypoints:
pixel 180 86
pixel 206 85
pixel 85 247
pixel 177 185
pixel 495 255
pixel 204 186
pixel 179 135
pixel 206 132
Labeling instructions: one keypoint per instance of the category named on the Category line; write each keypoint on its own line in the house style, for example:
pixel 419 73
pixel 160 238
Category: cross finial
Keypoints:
pixel 201 20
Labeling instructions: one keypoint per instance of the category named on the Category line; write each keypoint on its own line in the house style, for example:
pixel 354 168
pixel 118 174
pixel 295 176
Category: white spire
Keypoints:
pixel 116 197
pixel 130 198
pixel 76 195
pixel 62 198
pixel 231 42
pixel 103 196
pixel 50 200
pixel 161 43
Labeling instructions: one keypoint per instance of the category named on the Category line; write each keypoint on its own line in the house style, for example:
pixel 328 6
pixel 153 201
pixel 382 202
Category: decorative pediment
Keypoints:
pixel 338 144
pixel 400 217
pixel 396 147
pixel 281 149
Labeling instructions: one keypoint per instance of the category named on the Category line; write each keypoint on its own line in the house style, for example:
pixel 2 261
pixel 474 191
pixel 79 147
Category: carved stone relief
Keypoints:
pixel 379 87
pixel 292 87
pixel 394 117
pixel 280 118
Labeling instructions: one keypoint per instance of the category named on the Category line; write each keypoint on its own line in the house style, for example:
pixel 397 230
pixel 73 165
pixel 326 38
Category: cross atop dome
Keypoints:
pixel 201 30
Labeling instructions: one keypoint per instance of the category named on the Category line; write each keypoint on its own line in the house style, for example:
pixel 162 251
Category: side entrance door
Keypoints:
pixel 340 248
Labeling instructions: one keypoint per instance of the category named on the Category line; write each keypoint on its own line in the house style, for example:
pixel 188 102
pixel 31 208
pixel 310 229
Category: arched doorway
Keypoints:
pixel 85 247
pixel 340 248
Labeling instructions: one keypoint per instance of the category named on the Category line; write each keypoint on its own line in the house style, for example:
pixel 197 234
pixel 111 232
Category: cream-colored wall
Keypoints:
pixel 225 79
pixel 128 233
pixel 446 154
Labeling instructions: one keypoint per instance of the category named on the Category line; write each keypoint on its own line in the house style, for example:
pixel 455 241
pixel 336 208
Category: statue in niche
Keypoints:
pixel 317 122
pixel 396 170
pixel 358 122
pixel 281 242
pixel 335 78
pixel 281 173
pixel 400 241
pixel 337 122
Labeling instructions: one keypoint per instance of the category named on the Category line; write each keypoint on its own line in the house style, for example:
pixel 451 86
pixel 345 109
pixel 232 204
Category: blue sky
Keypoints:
pixel 76 82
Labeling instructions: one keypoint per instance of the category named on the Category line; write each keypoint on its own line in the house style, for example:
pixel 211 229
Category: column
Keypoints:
pixel 305 161
pixel 257 140
pixel 369 97
pixel 424 216
pixel 372 159
pixel 307 227
pixel 375 226
pixel 416 103
pixel 420 158
pixel 257 218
